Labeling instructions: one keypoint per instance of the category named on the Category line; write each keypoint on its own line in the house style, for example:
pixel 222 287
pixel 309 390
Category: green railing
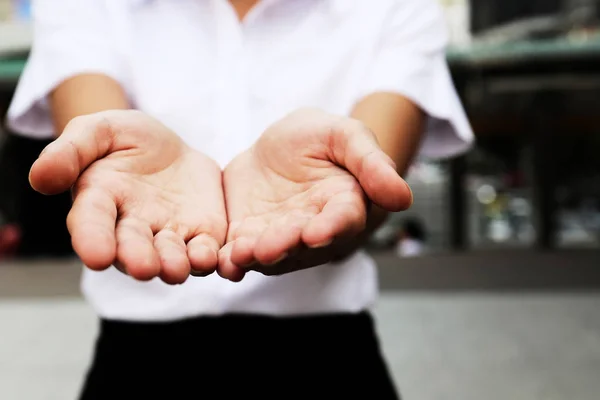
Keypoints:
pixel 11 68
pixel 525 50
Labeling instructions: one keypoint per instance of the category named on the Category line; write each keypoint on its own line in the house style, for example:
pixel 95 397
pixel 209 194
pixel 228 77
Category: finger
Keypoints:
pixel 227 269
pixel 344 215
pixel 356 149
pixel 91 224
pixel 242 252
pixel 279 239
pixel 202 252
pixel 174 262
pixel 135 249
pixel 243 236
pixel 84 140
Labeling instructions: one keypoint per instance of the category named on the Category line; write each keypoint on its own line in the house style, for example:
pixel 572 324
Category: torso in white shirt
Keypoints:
pixel 218 84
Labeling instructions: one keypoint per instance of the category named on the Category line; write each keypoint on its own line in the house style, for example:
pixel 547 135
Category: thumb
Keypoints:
pixel 355 148
pixel 84 140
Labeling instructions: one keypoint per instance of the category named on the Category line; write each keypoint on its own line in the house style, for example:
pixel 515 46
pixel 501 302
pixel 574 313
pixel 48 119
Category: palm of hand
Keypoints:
pixel 301 192
pixel 152 206
pixel 168 222
pixel 299 206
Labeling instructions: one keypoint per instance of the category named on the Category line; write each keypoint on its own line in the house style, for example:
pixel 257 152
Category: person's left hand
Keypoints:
pixel 301 193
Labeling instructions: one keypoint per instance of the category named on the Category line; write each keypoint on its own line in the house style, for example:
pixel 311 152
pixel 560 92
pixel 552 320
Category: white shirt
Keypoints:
pixel 219 83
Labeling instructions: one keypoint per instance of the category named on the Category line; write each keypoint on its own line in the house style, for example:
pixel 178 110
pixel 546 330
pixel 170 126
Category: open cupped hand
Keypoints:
pixel 142 200
pixel 301 194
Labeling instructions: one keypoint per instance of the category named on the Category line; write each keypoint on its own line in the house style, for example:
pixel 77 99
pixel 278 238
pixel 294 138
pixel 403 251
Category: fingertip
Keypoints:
pixel 176 278
pixel 50 176
pixel 97 264
pixel 226 268
pixel 242 252
pixel 202 252
pixel 97 253
pixel 400 198
pixel 231 272
pixel 411 195
pixel 386 188
pixel 403 197
pixel 280 239
pixel 174 268
pixel 31 177
pixel 327 227
pixel 317 234
pixel 143 268
pixel 143 272
pixel 203 260
pixel 35 180
pixel 237 275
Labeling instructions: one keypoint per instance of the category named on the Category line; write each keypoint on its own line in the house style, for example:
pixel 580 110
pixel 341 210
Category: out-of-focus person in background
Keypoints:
pixel 10 231
pixel 31 225
pixel 10 236
pixel 217 74
pixel 412 238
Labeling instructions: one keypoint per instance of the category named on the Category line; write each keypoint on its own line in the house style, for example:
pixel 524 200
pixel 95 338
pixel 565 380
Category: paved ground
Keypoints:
pixel 475 272
pixel 464 340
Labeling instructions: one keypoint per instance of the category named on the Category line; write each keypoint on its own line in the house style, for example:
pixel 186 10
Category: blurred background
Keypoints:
pixel 490 282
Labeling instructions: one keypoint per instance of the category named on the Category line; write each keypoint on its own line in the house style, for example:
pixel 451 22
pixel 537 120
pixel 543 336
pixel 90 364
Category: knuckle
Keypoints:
pixel 128 226
pixel 215 225
pixel 169 234
pixel 357 127
pixel 78 122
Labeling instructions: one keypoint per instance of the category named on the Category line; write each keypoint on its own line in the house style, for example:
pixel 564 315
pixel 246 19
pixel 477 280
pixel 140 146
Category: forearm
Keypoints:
pixel 85 94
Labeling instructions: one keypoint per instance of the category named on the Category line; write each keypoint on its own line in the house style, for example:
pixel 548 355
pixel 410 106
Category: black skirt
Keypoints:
pixel 240 357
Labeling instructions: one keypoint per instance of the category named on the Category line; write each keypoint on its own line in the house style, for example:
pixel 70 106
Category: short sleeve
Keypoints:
pixel 70 37
pixel 410 60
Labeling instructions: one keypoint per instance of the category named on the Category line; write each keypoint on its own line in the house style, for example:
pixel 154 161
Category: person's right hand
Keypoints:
pixel 143 200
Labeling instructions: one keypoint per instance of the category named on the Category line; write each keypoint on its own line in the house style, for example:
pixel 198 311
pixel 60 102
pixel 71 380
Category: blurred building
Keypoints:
pixel 528 73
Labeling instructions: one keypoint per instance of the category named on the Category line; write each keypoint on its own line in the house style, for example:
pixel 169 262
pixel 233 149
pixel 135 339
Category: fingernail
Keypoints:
pixel 237 279
pixel 322 244
pixel 412 198
pixel 280 259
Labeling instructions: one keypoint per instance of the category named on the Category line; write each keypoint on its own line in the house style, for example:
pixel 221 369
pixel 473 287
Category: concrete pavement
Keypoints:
pixel 465 343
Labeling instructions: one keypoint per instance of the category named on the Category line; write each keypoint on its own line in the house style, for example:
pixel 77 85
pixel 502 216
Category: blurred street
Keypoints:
pixel 449 331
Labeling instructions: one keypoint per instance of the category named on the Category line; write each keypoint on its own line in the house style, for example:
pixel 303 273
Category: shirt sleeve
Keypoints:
pixel 70 37
pixel 410 60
